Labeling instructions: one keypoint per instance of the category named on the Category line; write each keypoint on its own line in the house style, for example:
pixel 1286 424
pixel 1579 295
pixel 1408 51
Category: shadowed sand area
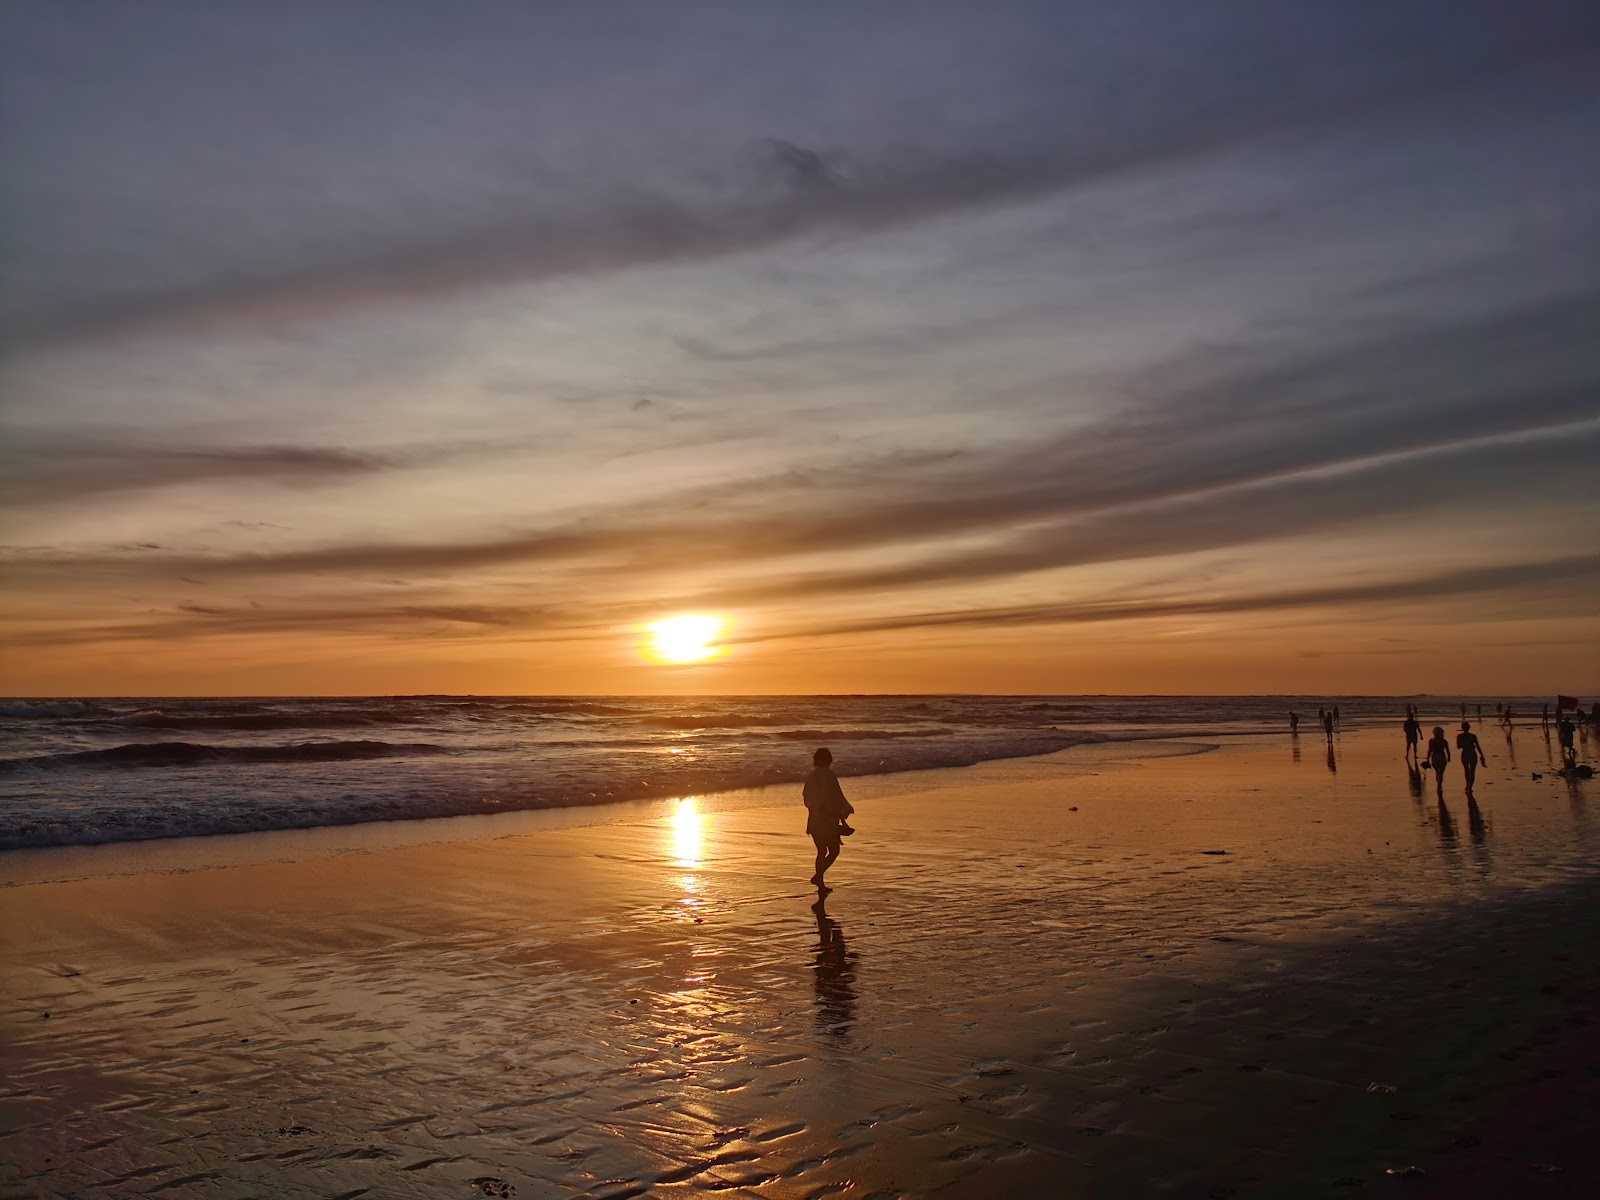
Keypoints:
pixel 1066 976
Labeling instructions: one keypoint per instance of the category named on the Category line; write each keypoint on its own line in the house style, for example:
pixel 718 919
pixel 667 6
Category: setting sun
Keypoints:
pixel 690 638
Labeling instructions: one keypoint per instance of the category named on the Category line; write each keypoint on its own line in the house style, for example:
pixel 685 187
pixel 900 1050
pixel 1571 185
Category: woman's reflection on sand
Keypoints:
pixel 835 975
pixel 1333 763
pixel 1447 826
pixel 1477 829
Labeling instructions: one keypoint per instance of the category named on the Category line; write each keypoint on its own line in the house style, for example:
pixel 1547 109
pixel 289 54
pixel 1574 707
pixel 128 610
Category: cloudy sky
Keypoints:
pixel 1060 347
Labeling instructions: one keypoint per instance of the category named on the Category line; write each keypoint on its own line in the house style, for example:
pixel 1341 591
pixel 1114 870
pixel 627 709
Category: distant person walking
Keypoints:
pixel 1294 722
pixel 1413 735
pixel 1438 757
pixel 1327 726
pixel 1336 724
pixel 1544 717
pixel 826 810
pixel 1471 753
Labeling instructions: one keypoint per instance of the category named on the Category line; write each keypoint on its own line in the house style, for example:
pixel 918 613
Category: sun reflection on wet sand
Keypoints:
pixel 684 826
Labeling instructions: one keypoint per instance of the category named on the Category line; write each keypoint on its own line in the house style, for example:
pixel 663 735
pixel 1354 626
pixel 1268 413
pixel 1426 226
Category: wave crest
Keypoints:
pixel 181 754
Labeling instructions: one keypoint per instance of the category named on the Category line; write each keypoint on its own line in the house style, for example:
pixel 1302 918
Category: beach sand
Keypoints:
pixel 1243 972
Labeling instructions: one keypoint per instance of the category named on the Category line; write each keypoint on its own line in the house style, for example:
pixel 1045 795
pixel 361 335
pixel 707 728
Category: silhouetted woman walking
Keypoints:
pixel 1439 757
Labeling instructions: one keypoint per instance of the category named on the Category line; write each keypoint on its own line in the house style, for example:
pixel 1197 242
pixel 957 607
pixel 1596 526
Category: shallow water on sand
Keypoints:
pixel 1037 969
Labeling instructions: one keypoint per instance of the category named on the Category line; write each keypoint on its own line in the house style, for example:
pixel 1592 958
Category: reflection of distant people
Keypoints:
pixel 1438 757
pixel 1414 780
pixel 834 974
pixel 826 809
pixel 1294 722
pixel 1413 735
pixel 1327 725
pixel 1471 753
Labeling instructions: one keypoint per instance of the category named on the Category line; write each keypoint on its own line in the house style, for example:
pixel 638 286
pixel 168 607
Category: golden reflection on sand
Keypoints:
pixel 684 832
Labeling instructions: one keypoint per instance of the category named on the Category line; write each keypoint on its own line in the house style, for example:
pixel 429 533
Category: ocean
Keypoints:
pixel 83 772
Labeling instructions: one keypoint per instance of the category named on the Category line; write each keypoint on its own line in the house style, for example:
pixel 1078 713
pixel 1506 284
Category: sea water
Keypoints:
pixel 80 772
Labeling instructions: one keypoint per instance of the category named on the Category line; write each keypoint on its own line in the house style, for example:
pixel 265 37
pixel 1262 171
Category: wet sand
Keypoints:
pixel 1248 972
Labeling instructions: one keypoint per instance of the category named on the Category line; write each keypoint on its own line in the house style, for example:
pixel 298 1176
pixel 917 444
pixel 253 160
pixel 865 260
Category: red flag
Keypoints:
pixel 1566 702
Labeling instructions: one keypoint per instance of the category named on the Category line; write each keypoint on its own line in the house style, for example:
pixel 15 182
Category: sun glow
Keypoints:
pixel 690 638
pixel 685 832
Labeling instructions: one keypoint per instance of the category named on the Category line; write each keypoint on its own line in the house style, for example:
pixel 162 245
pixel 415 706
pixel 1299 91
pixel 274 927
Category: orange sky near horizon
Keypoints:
pixel 1129 658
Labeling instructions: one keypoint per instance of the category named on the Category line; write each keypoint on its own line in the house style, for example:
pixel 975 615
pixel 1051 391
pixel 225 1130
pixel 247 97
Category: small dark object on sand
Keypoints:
pixel 1213 852
pixel 488 1185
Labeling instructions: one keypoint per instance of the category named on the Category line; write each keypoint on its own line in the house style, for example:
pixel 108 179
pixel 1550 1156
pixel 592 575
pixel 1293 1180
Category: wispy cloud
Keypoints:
pixel 56 470
pixel 1566 577
pixel 1153 476
pixel 742 195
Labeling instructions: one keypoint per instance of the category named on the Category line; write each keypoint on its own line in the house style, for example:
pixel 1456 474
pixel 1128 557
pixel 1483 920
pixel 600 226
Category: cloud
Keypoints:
pixel 353 616
pixel 54 471
pixel 738 196
pixel 1389 487
pixel 1535 580
pixel 1313 431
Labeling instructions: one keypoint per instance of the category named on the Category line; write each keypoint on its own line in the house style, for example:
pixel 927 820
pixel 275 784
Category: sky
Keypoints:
pixel 1148 346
